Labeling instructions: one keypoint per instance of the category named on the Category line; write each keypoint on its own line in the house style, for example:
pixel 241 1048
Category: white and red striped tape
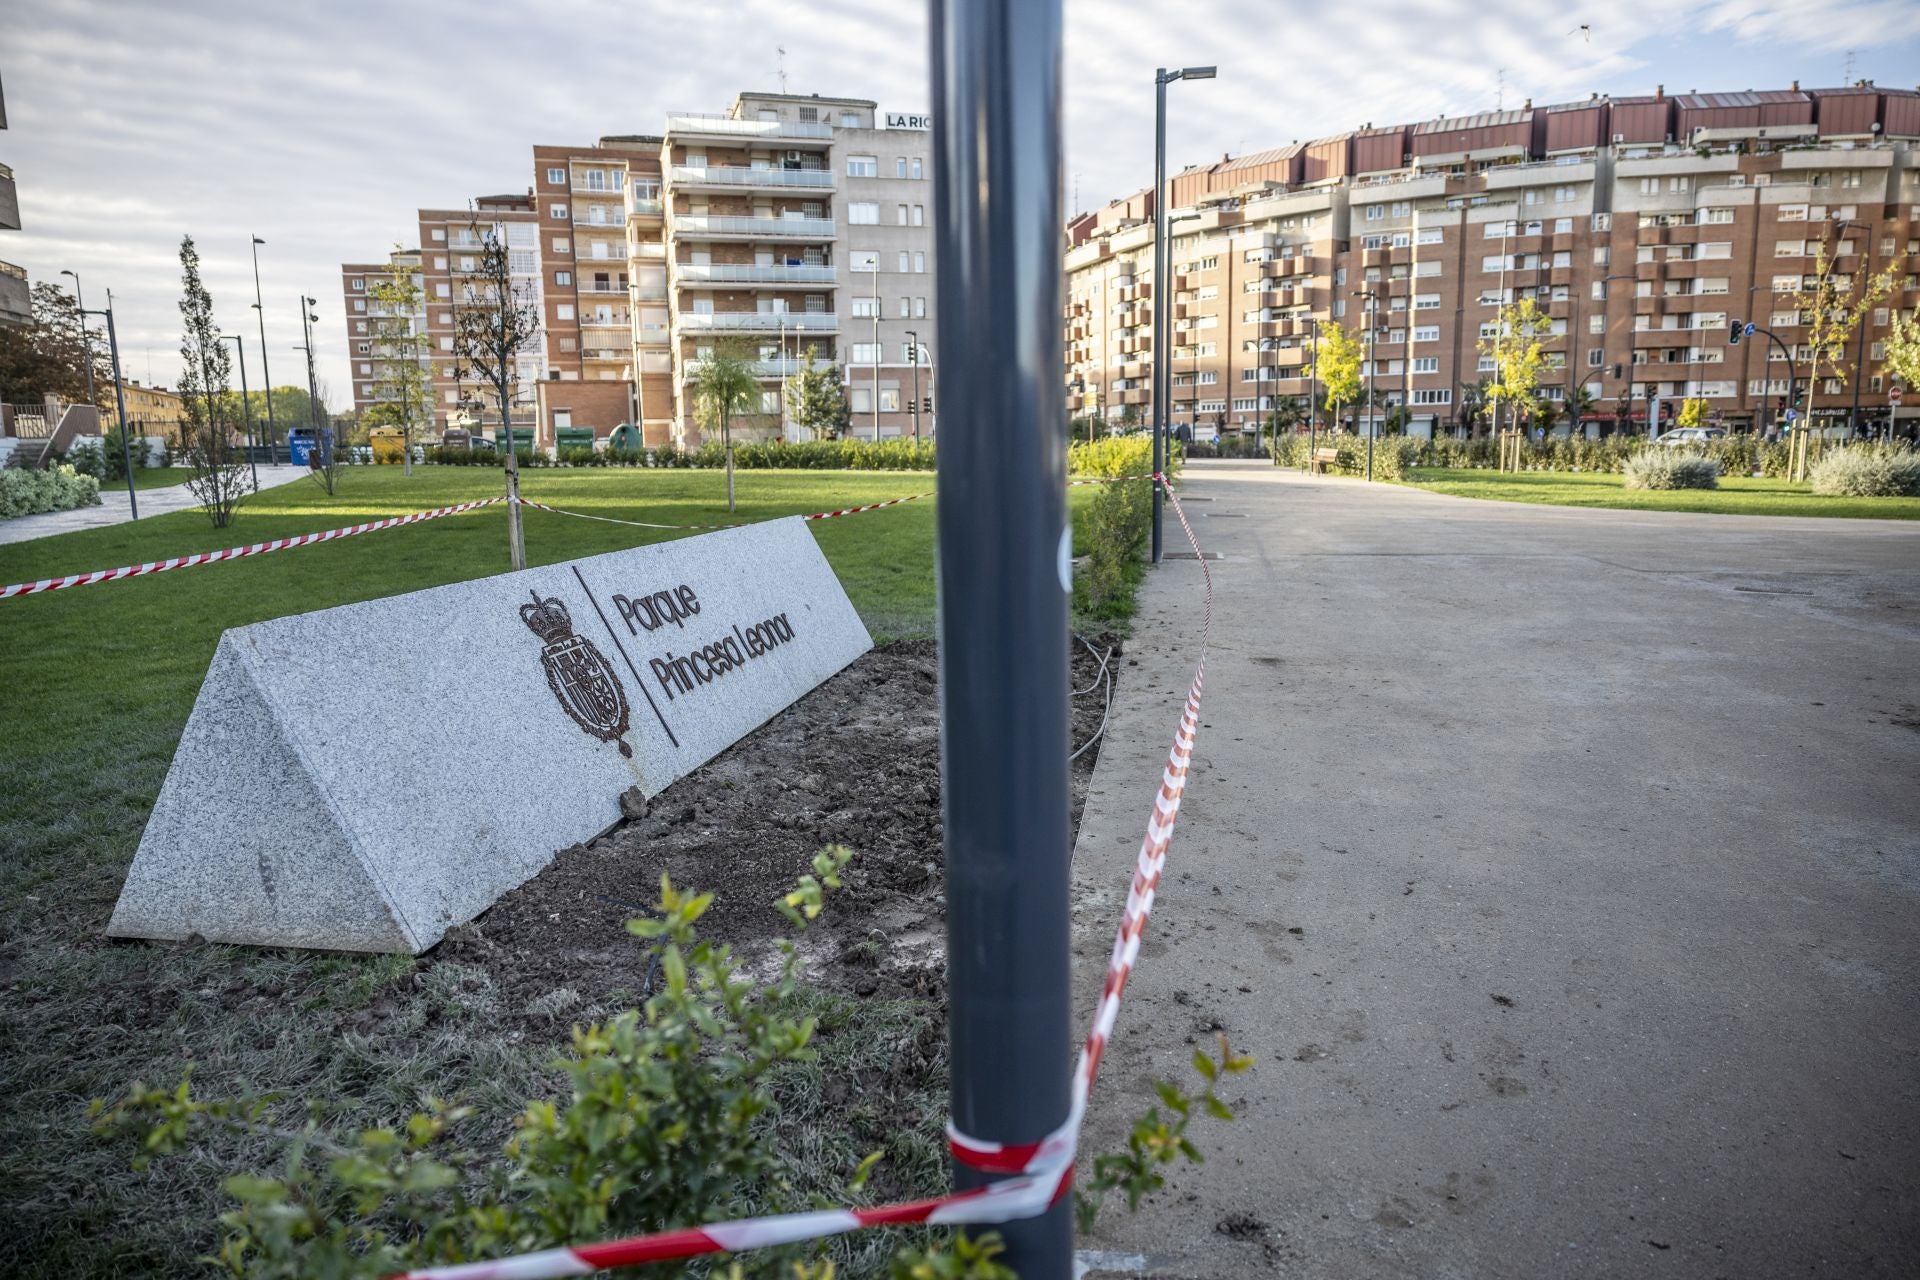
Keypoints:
pixel 1045 1168
pixel 282 544
pixel 1110 480
pixel 231 553
pixel 643 524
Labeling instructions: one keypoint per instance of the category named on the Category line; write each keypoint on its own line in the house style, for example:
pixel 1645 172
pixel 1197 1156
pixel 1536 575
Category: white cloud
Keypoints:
pixel 322 128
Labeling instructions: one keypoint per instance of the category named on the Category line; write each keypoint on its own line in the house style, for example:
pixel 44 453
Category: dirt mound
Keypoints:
pixel 856 762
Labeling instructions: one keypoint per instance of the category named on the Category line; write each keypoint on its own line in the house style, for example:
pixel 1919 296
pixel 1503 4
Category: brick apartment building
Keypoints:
pixel 793 225
pixel 1641 225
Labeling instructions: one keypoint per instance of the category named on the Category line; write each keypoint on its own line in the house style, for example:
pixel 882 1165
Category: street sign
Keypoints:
pixel 1750 329
pixel 1893 395
pixel 1790 415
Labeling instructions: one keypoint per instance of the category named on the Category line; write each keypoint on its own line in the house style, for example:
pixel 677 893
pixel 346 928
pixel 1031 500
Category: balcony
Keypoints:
pixel 586 187
pixel 761 368
pixel 653 334
pixel 696 275
pixel 604 290
pixel 687 125
pixel 758 322
pixel 639 206
pixel 697 226
pixel 16 298
pixel 739 178
pixel 605 322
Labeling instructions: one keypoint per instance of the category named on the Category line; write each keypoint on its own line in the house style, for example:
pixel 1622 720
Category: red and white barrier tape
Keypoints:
pixel 1045 1168
pixel 643 524
pixel 231 553
pixel 1109 479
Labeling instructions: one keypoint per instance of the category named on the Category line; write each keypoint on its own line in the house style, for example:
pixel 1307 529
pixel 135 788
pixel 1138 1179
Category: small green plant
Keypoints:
pixel 1158 1141
pixel 1661 467
pixel 662 1124
pixel 1868 471
pixel 60 488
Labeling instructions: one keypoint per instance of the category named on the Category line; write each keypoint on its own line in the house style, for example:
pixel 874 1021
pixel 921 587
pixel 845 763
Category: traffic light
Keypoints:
pixel 926 404
pixel 1734 329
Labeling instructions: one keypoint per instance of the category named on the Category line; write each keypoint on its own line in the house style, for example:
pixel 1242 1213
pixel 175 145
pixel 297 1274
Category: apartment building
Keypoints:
pixel 372 327
pixel 450 248
pixel 795 226
pixel 1641 225
pixel 16 297
pixel 798 225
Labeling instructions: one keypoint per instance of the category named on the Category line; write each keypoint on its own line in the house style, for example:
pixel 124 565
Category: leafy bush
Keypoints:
pixel 1868 471
pixel 1118 522
pixel 1660 467
pixel 27 493
pixel 1392 455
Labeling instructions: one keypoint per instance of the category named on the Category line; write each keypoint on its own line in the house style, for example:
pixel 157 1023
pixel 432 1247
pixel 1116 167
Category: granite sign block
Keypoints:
pixel 366 777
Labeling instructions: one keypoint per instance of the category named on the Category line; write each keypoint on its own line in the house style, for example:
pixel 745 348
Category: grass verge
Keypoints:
pixel 1737 495
pixel 95 686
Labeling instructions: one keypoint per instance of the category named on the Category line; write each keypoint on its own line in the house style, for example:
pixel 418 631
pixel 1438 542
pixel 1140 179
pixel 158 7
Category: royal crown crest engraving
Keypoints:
pixel 579 674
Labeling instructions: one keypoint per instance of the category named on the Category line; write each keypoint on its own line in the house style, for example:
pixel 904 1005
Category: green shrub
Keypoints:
pixel 28 493
pixel 1118 522
pixel 1868 471
pixel 1661 467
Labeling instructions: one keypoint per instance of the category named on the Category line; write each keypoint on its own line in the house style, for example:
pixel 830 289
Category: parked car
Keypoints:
pixel 1691 435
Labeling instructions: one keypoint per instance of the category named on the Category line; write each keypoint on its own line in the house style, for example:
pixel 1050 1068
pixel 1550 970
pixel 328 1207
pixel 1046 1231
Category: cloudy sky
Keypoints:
pixel 320 126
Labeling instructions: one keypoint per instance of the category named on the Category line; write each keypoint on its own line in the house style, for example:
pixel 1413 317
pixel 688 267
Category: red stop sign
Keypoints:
pixel 1893 395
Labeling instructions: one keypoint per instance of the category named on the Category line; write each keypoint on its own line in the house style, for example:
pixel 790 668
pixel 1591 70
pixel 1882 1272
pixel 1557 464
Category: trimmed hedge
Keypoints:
pixel 1392 455
pixel 1868 471
pixel 29 493
pixel 811 455
pixel 1118 521
pixel 1737 455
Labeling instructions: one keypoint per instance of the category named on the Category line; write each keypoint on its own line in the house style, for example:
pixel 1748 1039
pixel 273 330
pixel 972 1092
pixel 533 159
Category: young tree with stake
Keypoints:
pixel 216 472
pixel 403 376
pixel 724 387
pixel 493 320
pixel 1338 355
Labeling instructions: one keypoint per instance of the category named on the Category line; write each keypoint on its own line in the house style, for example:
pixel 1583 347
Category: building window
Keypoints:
pixel 866 308
pixel 1426 364
pixel 569 344
pixel 558 177
pixel 889 399
pixel 863 213
pixel 558 211
pixel 860 399
pixel 770 400
pixel 864 260
pixel 359 304
pixel 848 120
pixel 1436 395
pixel 863 166
pixel 562 245
pixel 906 307
pixel 563 277
pixel 866 353
pixel 920 263
pixel 914 169
pixel 900 166
pixel 563 312
pixel 1376 212
pixel 1426 333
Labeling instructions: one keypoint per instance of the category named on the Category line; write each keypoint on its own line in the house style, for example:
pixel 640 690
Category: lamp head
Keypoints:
pixel 258 240
pixel 69 273
pixel 1198 73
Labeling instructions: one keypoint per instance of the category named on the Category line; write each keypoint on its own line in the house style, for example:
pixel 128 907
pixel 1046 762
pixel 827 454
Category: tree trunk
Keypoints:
pixel 516 539
pixel 406 444
pixel 726 447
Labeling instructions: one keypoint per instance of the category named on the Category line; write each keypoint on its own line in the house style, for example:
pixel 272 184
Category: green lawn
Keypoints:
pixel 149 478
pixel 1739 495
pixel 95 686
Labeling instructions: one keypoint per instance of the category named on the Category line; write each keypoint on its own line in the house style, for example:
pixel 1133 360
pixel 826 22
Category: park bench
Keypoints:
pixel 1322 459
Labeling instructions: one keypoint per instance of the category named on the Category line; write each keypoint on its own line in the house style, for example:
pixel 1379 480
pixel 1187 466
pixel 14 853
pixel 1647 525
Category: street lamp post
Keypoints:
pixel 1860 321
pixel 1162 368
pixel 119 396
pixel 246 410
pixel 266 374
pixel 1313 386
pixel 80 304
pixel 1373 319
pixel 323 437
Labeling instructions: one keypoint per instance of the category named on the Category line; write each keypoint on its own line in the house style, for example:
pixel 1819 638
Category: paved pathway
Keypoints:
pixel 113 508
pixel 1561 868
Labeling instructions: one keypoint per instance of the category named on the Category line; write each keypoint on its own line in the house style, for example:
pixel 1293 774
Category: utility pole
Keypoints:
pixel 120 399
pixel 1313 386
pixel 246 410
pixel 80 305
pixel 266 374
pixel 1003 533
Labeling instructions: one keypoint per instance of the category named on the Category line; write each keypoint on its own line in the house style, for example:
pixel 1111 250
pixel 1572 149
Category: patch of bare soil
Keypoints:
pixel 856 762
